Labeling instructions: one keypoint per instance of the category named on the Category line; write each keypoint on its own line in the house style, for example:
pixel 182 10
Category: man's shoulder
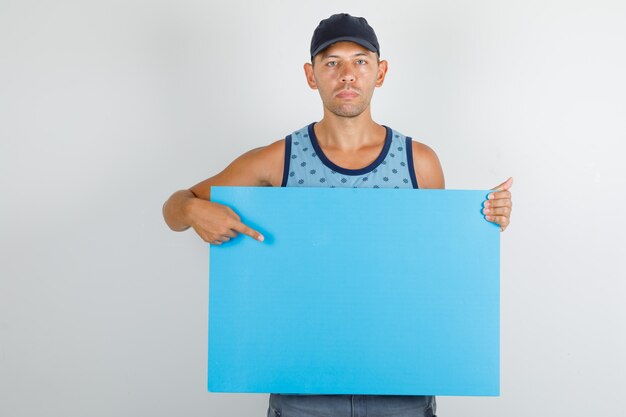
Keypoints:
pixel 421 150
pixel 427 166
pixel 270 159
pixel 273 149
pixel 266 160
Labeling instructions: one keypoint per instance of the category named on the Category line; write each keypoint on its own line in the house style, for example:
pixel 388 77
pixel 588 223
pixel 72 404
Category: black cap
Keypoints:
pixel 343 27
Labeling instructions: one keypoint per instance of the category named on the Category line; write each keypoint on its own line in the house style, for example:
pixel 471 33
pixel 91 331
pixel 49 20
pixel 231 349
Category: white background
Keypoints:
pixel 107 107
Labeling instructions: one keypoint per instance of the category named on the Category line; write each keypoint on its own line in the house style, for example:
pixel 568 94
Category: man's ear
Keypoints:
pixel 310 77
pixel 383 66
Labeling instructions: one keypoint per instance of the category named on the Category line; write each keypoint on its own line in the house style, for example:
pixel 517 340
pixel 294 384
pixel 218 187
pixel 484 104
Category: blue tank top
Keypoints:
pixel 307 166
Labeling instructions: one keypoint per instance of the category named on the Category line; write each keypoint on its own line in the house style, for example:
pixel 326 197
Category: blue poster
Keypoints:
pixel 356 291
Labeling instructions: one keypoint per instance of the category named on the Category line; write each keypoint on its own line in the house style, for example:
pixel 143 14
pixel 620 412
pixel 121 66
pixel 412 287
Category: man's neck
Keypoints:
pixel 348 133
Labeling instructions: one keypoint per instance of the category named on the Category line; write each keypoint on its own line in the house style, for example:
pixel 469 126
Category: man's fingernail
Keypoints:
pixel 261 238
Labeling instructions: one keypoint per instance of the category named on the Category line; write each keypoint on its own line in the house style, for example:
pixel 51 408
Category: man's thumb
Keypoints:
pixel 505 185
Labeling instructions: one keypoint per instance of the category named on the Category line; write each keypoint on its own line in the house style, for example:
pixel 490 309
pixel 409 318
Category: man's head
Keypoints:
pixel 345 66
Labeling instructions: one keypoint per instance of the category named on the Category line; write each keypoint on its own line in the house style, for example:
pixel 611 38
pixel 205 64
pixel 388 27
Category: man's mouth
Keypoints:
pixel 347 94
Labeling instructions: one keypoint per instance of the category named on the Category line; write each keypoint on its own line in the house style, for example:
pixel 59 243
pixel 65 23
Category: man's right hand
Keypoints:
pixel 216 223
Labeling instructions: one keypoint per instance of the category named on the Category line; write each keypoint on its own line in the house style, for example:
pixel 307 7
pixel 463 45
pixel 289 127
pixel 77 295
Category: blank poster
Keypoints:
pixel 356 291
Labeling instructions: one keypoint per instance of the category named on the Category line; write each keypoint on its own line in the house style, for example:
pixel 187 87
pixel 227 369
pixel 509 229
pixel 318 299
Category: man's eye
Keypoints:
pixel 361 62
pixel 331 63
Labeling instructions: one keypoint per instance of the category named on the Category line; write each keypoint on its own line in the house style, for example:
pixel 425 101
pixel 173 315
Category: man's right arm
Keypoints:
pixel 216 223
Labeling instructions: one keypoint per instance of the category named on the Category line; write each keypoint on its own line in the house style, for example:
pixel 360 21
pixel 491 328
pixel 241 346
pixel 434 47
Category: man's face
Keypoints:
pixel 346 75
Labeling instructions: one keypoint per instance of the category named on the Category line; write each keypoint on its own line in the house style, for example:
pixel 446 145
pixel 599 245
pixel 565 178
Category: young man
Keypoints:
pixel 344 149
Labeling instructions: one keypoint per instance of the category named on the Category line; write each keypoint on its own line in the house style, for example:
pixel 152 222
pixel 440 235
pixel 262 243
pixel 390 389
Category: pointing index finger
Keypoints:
pixel 242 228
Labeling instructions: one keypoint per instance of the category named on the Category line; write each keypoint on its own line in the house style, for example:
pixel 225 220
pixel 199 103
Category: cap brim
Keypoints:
pixel 365 44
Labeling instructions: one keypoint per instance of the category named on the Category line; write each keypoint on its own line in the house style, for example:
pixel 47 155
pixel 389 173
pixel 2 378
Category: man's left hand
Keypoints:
pixel 497 207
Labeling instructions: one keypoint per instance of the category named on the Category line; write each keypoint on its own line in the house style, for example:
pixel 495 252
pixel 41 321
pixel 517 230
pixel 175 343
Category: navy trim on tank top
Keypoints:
pixel 409 161
pixel 346 171
pixel 286 163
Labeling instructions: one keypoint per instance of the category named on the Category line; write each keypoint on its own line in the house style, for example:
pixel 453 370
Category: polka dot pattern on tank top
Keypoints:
pixel 308 169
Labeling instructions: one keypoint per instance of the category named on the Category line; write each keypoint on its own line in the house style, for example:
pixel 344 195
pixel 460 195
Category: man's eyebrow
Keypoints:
pixel 337 56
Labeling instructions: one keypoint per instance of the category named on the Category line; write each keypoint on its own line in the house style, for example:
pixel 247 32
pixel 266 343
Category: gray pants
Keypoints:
pixel 351 406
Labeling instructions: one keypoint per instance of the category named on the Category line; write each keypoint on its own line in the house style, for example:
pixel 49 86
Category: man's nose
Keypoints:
pixel 347 75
